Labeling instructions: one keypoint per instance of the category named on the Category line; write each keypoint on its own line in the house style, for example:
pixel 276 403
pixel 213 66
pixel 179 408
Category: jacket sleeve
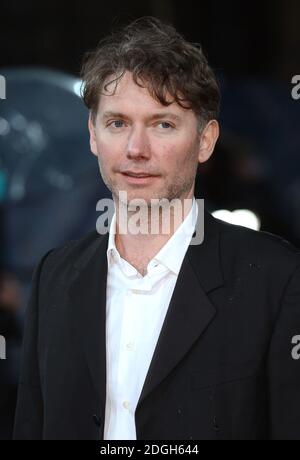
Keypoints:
pixel 284 366
pixel 28 422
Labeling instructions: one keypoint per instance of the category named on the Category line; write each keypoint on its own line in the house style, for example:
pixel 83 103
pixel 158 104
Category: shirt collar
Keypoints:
pixel 112 252
pixel 172 253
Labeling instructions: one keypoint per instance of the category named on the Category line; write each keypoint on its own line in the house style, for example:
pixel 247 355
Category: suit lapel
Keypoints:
pixel 88 298
pixel 190 310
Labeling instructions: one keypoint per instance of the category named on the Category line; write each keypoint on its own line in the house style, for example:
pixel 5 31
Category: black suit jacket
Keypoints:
pixel 225 365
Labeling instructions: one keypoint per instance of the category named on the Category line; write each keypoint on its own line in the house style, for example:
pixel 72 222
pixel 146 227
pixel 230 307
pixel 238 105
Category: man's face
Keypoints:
pixel 134 133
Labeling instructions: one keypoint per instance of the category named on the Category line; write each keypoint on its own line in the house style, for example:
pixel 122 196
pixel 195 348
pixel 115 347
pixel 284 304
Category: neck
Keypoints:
pixel 156 225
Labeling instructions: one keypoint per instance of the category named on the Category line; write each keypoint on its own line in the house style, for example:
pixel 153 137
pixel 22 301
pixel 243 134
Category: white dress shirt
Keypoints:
pixel 135 311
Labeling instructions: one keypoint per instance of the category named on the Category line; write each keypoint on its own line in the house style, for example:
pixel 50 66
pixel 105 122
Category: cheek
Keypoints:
pixel 111 145
pixel 177 156
pixel 109 150
pixel 167 151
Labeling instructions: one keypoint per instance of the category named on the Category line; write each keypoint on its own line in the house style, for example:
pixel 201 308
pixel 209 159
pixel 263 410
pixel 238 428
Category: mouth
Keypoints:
pixel 138 178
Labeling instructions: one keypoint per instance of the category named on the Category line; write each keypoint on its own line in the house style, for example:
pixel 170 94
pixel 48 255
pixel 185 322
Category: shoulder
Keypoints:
pixel 264 242
pixel 63 258
pixel 263 249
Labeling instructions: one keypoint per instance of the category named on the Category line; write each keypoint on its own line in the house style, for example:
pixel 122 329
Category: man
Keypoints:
pixel 146 335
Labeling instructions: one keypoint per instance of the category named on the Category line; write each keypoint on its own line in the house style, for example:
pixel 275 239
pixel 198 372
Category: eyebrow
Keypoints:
pixel 152 117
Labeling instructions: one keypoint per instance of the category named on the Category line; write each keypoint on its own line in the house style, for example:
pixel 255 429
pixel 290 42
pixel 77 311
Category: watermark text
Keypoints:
pixel 2 87
pixel 296 88
pixel 2 347
pixel 160 216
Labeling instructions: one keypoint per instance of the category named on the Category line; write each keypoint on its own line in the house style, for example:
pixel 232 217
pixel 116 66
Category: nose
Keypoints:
pixel 138 144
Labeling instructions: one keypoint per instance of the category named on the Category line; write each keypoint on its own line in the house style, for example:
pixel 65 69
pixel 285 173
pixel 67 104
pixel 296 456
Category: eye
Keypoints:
pixel 165 124
pixel 116 123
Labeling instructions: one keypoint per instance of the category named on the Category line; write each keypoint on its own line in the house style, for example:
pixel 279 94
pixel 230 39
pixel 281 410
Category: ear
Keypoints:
pixel 208 139
pixel 92 130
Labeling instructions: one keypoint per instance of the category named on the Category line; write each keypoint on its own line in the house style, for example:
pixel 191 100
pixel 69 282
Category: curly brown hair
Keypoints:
pixel 159 59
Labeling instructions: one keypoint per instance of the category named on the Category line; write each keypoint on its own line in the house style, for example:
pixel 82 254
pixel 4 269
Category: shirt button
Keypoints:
pixel 129 346
pixel 126 404
pixel 135 291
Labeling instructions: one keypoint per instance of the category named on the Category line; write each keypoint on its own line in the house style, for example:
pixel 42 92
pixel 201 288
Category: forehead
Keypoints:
pixel 127 95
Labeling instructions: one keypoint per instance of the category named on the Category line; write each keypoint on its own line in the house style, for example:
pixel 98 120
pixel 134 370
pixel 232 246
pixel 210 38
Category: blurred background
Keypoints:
pixel 49 181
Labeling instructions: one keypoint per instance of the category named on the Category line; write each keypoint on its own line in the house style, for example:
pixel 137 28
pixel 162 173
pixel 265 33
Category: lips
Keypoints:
pixel 140 175
pixel 138 179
